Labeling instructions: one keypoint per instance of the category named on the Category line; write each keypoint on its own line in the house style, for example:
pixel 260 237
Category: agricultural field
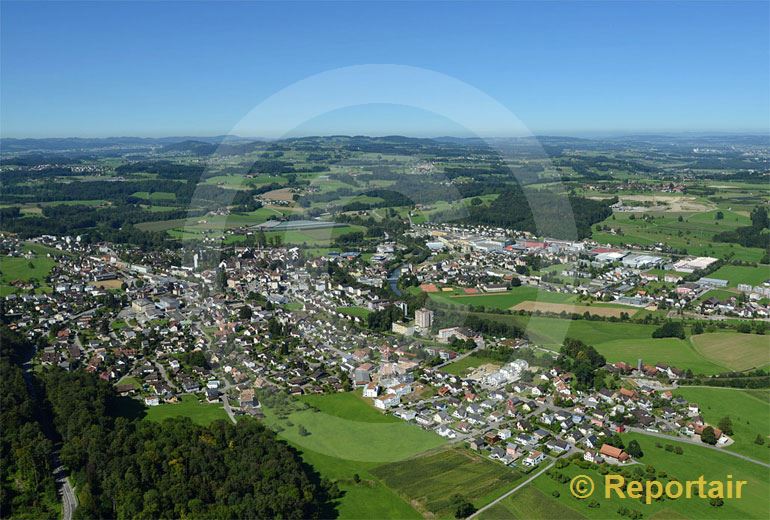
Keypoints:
pixel 734 350
pixel 695 461
pixel 429 481
pixel 189 406
pixel 749 413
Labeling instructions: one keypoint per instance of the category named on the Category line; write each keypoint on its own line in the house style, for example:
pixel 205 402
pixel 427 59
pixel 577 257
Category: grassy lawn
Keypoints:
pixel 673 351
pixel 738 274
pixel 23 270
pixel 749 414
pixel 348 437
pixel 350 406
pixel 361 312
pixel 695 461
pixel 200 412
pixel 333 433
pixel 130 380
pixel 532 504
pixel 462 366
pixel 430 481
pixel 734 350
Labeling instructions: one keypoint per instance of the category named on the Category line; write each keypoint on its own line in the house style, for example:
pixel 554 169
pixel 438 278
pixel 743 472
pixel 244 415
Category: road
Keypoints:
pixel 228 409
pixel 69 499
pixel 165 375
pixel 514 490
pixel 697 443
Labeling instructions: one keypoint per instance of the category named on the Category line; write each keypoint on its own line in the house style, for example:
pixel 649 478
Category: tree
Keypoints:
pixel 463 508
pixel 245 313
pixel 726 425
pixel 759 440
pixel 634 449
pixel 708 436
pixel 719 215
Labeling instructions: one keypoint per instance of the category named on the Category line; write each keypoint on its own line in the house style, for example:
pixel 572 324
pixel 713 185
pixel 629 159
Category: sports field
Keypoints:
pixel 749 414
pixel 734 350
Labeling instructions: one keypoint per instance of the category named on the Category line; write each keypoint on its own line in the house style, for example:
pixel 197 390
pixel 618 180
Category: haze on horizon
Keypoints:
pixel 196 69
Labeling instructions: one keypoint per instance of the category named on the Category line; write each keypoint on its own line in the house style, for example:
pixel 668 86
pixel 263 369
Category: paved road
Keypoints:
pixel 165 375
pixel 228 409
pixel 514 490
pixel 69 499
pixel 698 443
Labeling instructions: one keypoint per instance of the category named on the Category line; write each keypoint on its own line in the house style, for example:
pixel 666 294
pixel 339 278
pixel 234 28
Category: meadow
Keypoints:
pixel 24 270
pixel 349 437
pixel 189 406
pixel 734 350
pixel 694 233
pixel 749 414
pixel 636 342
pixel 360 312
pixel 737 274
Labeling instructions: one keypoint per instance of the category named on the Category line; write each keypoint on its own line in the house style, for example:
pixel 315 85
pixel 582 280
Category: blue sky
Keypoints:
pixel 178 68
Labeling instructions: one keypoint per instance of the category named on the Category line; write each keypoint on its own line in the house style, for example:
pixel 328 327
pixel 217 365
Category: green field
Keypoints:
pixel 430 481
pixel 695 233
pixel 348 437
pixel 734 350
pixel 505 300
pixel 695 461
pixel 361 312
pixel 749 414
pixel 737 274
pixel 532 504
pixel 190 406
pixel 636 342
pixel 155 195
pixel 19 269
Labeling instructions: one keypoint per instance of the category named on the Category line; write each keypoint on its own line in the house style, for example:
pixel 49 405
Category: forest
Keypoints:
pixel 129 468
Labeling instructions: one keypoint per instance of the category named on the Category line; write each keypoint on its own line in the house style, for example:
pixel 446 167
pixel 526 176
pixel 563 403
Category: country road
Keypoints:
pixel 514 490
pixel 697 443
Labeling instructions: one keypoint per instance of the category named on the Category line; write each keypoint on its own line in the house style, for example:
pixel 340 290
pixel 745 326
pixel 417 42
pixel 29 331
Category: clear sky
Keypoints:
pixel 196 68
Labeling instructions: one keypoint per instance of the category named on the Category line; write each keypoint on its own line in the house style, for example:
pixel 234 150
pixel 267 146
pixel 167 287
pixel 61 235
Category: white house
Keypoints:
pixel 371 390
pixel 387 401
pixel 533 458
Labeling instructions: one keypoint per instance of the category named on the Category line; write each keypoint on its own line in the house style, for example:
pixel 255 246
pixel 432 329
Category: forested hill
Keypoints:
pixel 543 213
pixel 124 468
